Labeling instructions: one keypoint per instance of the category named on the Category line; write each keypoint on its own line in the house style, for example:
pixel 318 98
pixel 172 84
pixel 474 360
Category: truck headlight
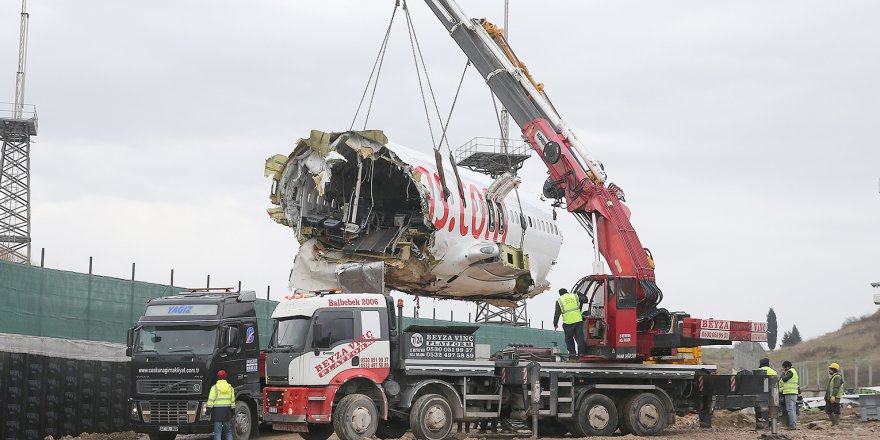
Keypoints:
pixel 203 414
pixel 135 414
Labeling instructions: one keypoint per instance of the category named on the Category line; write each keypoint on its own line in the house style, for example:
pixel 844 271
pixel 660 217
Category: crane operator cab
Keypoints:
pixel 610 317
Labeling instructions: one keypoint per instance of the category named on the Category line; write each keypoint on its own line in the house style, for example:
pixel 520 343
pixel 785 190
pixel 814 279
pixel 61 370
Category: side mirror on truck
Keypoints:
pixel 129 341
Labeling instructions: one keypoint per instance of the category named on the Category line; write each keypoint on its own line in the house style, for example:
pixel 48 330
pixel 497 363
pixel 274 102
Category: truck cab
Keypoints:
pixel 177 348
pixel 321 343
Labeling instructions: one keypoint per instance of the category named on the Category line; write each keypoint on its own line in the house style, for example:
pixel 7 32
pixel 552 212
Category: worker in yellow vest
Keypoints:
pixel 833 393
pixel 762 418
pixel 790 388
pixel 221 401
pixel 568 307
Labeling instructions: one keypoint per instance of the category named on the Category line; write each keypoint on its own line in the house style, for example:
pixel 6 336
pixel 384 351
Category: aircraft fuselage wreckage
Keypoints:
pixel 356 200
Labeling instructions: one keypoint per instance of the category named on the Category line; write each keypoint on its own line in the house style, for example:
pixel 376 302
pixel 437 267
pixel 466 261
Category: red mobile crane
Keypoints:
pixel 626 322
pixel 345 363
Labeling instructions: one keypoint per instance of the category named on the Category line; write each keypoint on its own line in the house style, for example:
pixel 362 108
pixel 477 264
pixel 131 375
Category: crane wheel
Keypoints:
pixel 645 414
pixel 596 415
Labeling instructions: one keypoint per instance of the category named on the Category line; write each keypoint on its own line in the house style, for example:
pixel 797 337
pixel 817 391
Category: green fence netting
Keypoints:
pixel 47 302
pixel 60 304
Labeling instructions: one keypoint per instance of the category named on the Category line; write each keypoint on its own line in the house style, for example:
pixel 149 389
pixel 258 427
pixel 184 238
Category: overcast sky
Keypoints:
pixel 744 134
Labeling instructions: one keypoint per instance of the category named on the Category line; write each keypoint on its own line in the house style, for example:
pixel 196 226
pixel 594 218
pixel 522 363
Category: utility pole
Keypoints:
pixel 17 125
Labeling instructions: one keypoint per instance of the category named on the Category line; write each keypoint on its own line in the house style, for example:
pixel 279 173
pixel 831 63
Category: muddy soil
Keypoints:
pixel 727 425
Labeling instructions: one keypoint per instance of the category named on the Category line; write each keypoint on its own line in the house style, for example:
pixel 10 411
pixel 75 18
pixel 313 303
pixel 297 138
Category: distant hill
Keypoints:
pixel 856 342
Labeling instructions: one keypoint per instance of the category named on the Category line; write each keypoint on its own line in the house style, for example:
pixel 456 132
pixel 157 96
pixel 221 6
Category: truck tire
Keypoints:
pixel 645 415
pixel 391 428
pixel 317 431
pixel 355 417
pixel 242 421
pixel 596 415
pixel 431 418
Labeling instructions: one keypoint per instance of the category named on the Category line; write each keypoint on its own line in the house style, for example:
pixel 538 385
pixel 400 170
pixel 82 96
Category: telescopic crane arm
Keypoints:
pixel 630 325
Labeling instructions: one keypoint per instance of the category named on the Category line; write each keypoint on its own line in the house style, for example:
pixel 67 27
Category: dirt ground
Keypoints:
pixel 727 426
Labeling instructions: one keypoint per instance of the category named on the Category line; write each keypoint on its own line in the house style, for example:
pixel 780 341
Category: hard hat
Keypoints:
pixel 221 374
pixel 835 366
pixel 563 291
pixel 786 364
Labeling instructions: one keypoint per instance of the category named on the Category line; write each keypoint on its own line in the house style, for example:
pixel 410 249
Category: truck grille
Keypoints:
pixel 169 412
pixel 170 387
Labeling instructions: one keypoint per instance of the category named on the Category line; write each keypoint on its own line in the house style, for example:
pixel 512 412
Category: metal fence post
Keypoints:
pixel 89 304
pixel 42 257
pixel 131 302
pixel 172 278
pixel 268 288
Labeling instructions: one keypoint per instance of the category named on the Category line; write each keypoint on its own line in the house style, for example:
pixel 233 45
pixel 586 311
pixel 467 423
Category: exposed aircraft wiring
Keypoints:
pixel 377 70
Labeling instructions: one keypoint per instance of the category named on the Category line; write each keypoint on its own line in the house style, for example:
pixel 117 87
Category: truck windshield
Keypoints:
pixel 291 333
pixel 170 340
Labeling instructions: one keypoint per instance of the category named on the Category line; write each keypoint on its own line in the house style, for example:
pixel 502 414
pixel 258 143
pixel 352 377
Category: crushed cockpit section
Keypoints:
pixel 354 200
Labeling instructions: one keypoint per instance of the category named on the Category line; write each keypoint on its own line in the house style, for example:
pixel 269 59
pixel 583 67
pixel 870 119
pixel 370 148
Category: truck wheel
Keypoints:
pixel 431 417
pixel 597 415
pixel 317 431
pixel 242 421
pixel 355 417
pixel 645 415
pixel 391 428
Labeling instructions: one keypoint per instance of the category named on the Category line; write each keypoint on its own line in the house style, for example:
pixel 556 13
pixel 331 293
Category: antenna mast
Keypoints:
pixel 17 125
pixel 22 62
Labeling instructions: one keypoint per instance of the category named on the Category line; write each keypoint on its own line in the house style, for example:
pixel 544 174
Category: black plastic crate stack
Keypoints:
pixel 55 396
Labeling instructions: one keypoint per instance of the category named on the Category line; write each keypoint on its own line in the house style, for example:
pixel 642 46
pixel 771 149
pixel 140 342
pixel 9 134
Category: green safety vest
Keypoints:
pixel 770 371
pixel 839 392
pixel 791 386
pixel 222 394
pixel 570 307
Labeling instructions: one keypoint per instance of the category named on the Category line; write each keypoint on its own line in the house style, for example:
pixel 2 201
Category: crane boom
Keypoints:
pixel 573 172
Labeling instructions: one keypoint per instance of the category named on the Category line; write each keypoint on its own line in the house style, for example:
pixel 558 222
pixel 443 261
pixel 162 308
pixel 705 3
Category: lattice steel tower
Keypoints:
pixel 17 124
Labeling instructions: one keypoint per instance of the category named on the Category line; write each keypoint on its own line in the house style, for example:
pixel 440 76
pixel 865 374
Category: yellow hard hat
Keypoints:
pixel 835 366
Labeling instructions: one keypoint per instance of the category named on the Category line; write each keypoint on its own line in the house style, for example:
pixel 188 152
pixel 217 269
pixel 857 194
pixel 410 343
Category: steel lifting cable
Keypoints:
pixel 377 70
pixel 419 77
pixel 522 237
pixel 452 107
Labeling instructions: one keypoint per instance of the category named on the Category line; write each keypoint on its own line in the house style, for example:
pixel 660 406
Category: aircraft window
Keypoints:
pixel 502 222
pixel 531 225
pixel 490 206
